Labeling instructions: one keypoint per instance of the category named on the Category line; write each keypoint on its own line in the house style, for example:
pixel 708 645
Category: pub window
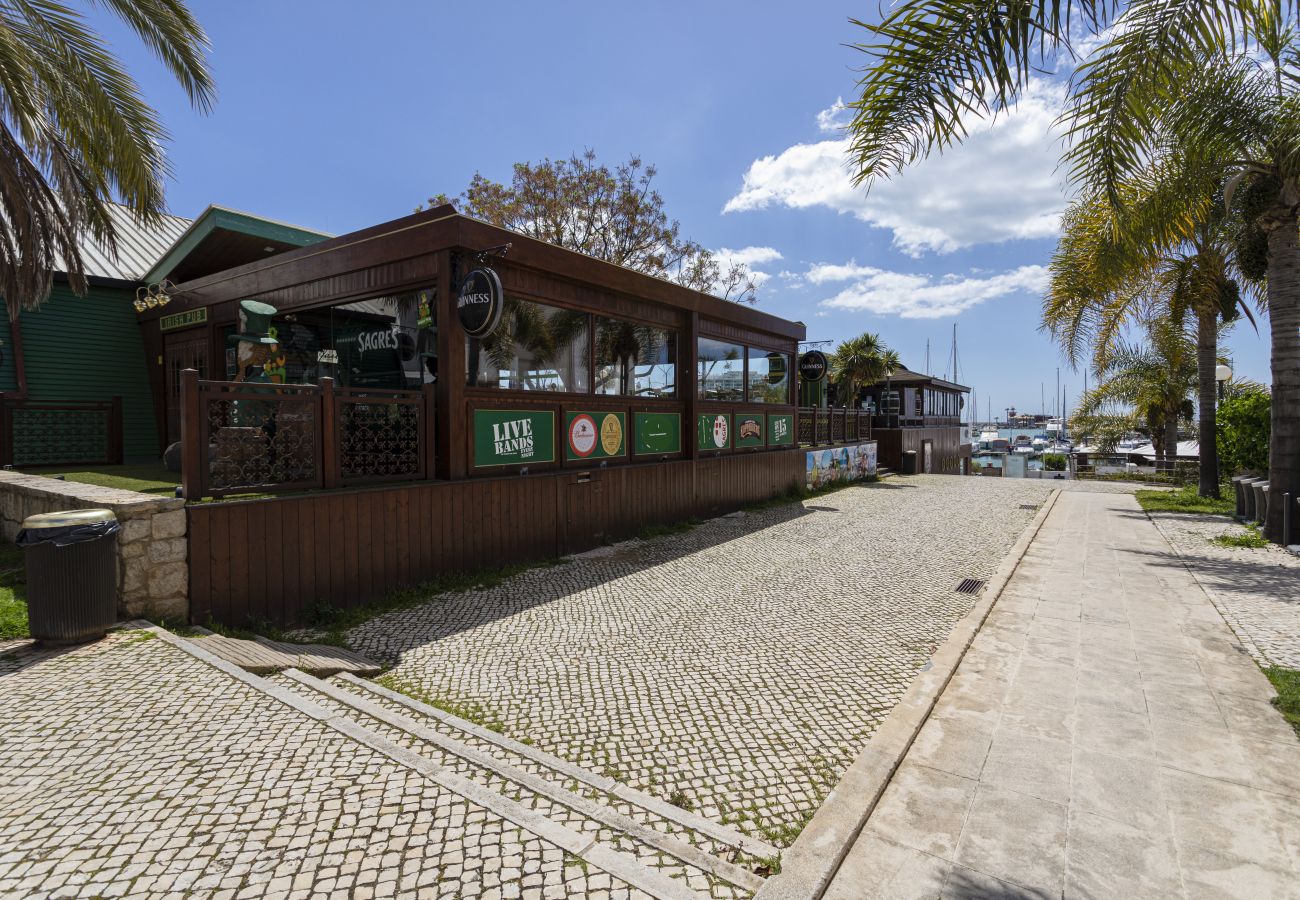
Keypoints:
pixel 769 376
pixel 721 370
pixel 634 359
pixel 380 342
pixel 534 348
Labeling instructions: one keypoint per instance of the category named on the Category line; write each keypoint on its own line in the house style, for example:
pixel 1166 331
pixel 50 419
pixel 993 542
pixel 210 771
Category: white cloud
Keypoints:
pixel 749 257
pixel 926 297
pixel 999 184
pixel 833 120
pixel 820 273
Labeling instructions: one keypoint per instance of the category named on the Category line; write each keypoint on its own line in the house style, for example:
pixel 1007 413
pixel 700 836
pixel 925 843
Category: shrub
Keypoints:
pixel 1054 462
pixel 1243 424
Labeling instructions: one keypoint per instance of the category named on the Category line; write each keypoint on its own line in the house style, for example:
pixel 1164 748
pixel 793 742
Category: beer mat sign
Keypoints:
pixel 594 435
pixel 479 302
pixel 780 431
pixel 813 366
pixel 657 433
pixel 183 319
pixel 513 437
pixel 713 431
pixel 748 429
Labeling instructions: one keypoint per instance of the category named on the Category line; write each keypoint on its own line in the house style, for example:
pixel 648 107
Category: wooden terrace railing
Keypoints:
pixel 239 438
pixel 823 427
pixel 60 432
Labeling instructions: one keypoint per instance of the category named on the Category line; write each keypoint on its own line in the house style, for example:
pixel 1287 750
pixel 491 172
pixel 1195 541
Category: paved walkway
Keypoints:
pixel 737 669
pixel 1256 588
pixel 1105 736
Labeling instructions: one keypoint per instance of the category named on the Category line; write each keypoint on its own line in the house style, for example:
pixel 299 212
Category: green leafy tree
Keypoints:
pixel 1244 420
pixel 75 133
pixel 1153 379
pixel 1219 81
pixel 612 214
pixel 1116 265
pixel 859 362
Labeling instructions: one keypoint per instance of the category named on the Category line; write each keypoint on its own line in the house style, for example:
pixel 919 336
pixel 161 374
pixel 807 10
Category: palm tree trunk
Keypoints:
pixel 1171 440
pixel 1284 317
pixel 1207 357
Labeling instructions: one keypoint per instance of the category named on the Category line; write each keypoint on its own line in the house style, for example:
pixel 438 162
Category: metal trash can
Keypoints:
pixel 909 462
pixel 71 574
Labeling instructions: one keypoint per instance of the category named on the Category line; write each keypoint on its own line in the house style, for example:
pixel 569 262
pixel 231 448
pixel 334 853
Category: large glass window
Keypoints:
pixel 769 376
pixel 535 348
pixel 721 370
pixel 380 342
pixel 635 360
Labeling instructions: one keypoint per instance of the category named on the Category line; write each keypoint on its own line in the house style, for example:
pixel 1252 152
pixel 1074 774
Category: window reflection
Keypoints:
pixel 634 359
pixel 769 376
pixel 721 370
pixel 535 348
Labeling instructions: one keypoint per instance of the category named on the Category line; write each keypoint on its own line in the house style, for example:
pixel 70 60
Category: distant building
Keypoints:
pixel 920 413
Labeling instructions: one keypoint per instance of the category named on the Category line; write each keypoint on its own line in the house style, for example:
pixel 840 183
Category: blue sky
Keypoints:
pixel 338 115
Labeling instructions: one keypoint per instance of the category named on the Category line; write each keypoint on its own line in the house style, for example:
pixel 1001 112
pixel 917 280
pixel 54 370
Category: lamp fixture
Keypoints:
pixel 152 296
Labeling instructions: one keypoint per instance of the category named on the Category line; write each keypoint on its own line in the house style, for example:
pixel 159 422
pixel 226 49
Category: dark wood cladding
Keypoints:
pixel 273 560
pixel 891 443
pixel 426 234
pixel 736 334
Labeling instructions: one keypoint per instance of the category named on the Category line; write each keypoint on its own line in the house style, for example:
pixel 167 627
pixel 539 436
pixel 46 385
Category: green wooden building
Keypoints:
pixel 75 384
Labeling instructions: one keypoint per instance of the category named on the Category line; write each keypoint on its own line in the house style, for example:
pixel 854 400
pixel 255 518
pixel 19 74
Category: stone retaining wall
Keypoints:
pixel 152 574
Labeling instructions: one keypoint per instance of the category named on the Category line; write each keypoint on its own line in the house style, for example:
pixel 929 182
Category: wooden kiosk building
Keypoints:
pixel 524 401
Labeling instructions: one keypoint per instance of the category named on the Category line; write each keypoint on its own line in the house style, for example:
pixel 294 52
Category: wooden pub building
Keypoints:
pixel 436 393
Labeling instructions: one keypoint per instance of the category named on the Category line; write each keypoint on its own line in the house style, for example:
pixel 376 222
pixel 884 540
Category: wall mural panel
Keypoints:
pixel 841 464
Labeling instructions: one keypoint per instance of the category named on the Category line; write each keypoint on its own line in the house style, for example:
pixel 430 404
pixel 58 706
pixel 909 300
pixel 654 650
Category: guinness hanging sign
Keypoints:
pixel 479 303
pixel 812 366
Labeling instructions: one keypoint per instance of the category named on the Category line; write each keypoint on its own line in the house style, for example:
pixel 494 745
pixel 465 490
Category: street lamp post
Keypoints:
pixel 1222 374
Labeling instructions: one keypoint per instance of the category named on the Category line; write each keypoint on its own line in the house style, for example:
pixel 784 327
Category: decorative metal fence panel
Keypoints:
pixel 833 426
pixel 241 438
pixel 34 433
pixel 380 435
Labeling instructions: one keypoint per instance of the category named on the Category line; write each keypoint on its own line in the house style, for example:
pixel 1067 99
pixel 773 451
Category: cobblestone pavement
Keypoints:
pixel 1256 589
pixel 128 767
pixel 736 669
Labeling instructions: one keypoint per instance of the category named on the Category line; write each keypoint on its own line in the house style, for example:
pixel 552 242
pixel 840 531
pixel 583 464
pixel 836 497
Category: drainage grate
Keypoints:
pixel 1029 506
pixel 971 586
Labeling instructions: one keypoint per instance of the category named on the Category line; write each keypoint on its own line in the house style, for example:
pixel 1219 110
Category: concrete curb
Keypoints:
pixel 810 863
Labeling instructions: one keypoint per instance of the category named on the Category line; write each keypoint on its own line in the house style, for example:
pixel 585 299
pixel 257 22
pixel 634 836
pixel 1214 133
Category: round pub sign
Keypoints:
pixel 479 302
pixel 812 366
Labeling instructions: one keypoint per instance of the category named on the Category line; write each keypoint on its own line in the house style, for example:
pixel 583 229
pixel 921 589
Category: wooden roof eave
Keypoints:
pixel 442 228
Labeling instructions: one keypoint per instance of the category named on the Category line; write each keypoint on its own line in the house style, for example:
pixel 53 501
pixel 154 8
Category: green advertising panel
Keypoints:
pixel 513 437
pixel 748 429
pixel 594 435
pixel 658 433
pixel 713 431
pixel 780 430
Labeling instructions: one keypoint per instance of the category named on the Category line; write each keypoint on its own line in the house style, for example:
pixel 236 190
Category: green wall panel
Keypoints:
pixel 89 348
pixel 8 371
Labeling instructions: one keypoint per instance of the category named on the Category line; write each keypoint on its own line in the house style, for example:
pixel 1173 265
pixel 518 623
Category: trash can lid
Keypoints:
pixel 69 518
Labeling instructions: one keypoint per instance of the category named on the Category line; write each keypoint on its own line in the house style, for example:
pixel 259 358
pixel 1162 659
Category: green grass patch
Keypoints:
pixel 13 592
pixel 470 712
pixel 1248 538
pixel 146 479
pixel 1287 684
pixel 1187 500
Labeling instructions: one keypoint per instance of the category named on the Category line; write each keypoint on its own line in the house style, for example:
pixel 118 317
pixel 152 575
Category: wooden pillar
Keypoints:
pixel 6 432
pixel 194 456
pixel 329 434
pixel 451 452
pixel 429 432
pixel 688 378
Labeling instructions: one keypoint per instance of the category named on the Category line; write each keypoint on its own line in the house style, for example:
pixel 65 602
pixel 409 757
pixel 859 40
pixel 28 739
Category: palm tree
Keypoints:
pixel 1217 80
pixel 1108 273
pixel 1152 379
pixel 860 361
pixel 75 132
